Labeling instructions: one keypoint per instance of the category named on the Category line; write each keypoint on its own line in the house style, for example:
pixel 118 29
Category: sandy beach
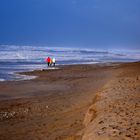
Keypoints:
pixel 78 102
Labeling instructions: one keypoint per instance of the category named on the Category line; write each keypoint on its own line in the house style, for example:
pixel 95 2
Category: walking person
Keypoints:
pixel 53 61
pixel 48 60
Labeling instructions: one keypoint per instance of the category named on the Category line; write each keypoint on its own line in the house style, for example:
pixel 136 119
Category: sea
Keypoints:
pixel 15 59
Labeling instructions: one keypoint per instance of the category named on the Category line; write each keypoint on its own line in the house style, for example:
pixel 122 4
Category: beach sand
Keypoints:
pixel 81 102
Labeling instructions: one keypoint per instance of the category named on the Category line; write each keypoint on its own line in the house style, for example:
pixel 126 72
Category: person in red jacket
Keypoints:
pixel 48 60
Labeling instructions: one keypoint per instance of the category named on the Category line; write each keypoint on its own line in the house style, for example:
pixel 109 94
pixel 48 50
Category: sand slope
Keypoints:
pixel 115 115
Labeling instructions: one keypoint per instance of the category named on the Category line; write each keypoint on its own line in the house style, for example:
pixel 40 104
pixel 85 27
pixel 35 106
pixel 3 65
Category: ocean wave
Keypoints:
pixel 38 53
pixel 25 58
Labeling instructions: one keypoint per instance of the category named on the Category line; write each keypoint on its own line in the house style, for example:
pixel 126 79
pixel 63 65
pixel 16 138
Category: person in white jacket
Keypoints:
pixel 53 61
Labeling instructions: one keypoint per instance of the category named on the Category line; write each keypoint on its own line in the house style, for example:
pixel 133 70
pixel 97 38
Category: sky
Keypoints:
pixel 77 23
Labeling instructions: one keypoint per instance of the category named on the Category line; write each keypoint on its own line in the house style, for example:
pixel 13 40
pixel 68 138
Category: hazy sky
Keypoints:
pixel 70 22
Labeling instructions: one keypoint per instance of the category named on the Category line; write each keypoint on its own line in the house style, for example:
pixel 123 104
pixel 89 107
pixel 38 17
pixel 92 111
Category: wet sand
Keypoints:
pixel 57 104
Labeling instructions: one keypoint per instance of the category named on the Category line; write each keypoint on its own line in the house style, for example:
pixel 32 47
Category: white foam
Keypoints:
pixel 22 77
pixel 52 68
pixel 1 80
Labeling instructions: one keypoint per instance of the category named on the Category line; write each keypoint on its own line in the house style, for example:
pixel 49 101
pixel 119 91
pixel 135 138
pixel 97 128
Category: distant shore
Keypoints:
pixel 60 104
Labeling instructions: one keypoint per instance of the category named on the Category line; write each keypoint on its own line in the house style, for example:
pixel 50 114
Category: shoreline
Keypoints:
pixel 21 76
pixel 36 74
pixel 56 103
